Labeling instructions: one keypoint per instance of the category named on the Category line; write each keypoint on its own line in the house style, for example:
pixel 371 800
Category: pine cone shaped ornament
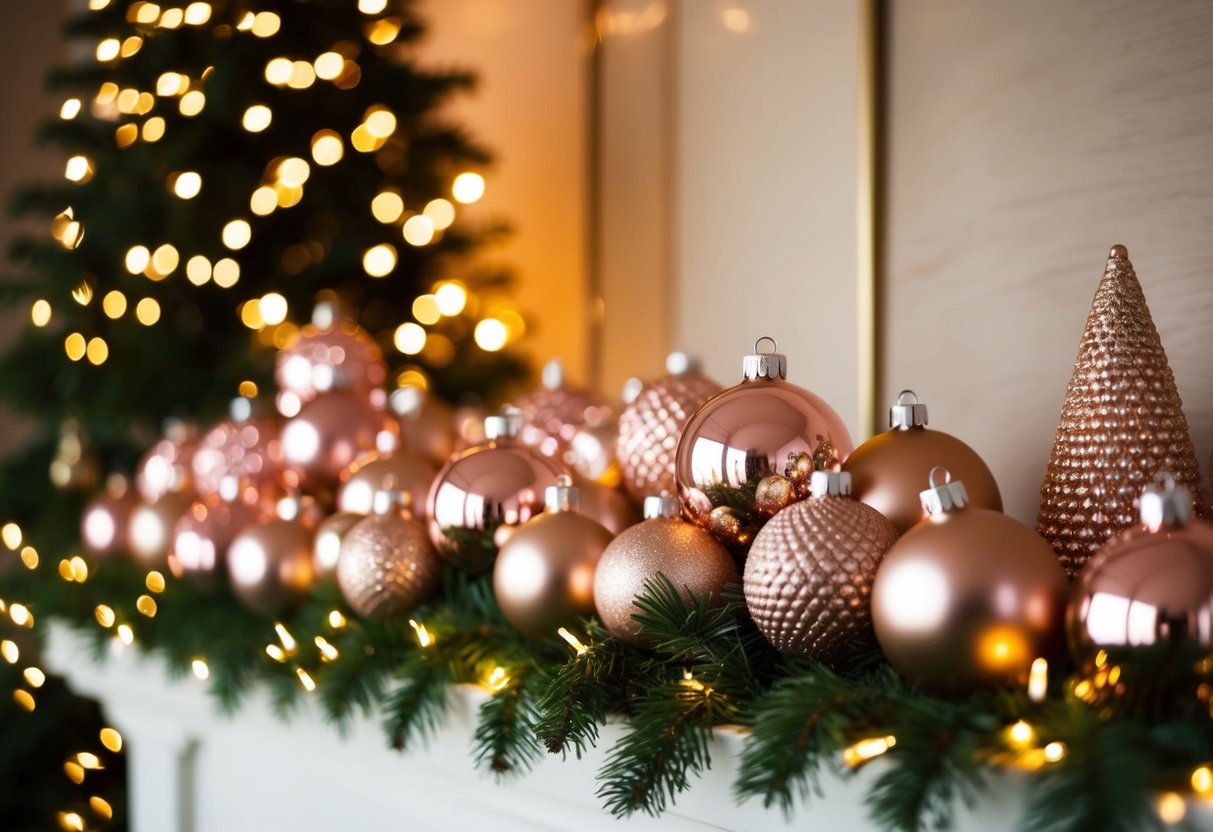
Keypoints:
pixel 1122 422
pixel 650 425
pixel 809 574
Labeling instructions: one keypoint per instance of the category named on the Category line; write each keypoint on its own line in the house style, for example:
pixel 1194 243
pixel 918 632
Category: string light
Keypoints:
pixel 29 557
pixel 1171 808
pixel 70 109
pixel 126 635
pixel 497 680
pixel 378 261
pixel 266 24
pixel 490 335
pixel 387 206
pixel 24 699
pixel 451 298
pixel 468 188
pixel 154 582
pixel 328 65
pixel 97 351
pixel 363 141
pixel 153 129
pixel 101 807
pixel 192 103
pixel 285 638
pixel 146 605
pixel 1054 751
pixel 308 683
pixel 198 270
pixel 131 45
pixel 83 294
pixel 371 6
pixel 382 32
pixel 107 49
pixel 226 273
pixel 197 14
pixel 864 750
pixel 380 122
pixel 147 311
pixel 201 670
pixel 327 148
pixel 186 184
pixel 337 620
pixel 424 637
pixel 11 535
pixel 263 201
pixel 126 135
pixel 573 641
pixel 137 259
pixel 440 212
pixel 237 234
pixel 1021 734
pixel 10 651
pixel 278 71
pixel 292 172
pixel 302 75
pixel 273 308
pixel 425 309
pixel 74 772
pixel 1038 680
pixel 165 260
pixel 114 304
pixel 328 653
pixel 111 739
pixel 78 169
pixel 147 13
pixel 105 616
pixel 40 313
pixel 34 677
pixel 418 230
pixel 409 338
pixel 75 346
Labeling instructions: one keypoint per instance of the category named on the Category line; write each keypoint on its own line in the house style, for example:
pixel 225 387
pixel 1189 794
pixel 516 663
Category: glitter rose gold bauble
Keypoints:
pixel 1149 585
pixel 1121 423
pixel 809 573
pixel 202 536
pixel 166 467
pixel 968 597
pixel 552 414
pixel 650 425
pixel 691 558
pixel 387 565
pixel 887 471
pixel 248 449
pixel 270 565
pixel 150 531
pixel 544 574
pixel 104 524
pixel 409 473
pixel 330 433
pixel 337 356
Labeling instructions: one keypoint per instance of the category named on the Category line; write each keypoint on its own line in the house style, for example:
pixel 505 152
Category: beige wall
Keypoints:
pixel 1024 140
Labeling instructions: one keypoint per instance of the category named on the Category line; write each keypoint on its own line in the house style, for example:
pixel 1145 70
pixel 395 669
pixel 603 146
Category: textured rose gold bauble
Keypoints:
pixel 1149 585
pixel 808 576
pixel 552 414
pixel 608 506
pixel 387 565
pixel 745 434
pixel 150 531
pixel 650 425
pixel 104 524
pixel 499 483
pixel 691 558
pixel 245 446
pixel 333 431
pixel 166 467
pixel 202 536
pixel 330 534
pixel 408 471
pixel 968 597
pixel 427 424
pixel 887 471
pixel 270 564
pixel 544 574
pixel 329 355
pixel 1121 423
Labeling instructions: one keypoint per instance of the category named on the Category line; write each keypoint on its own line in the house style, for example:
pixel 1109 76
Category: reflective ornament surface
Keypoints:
pixel 608 506
pixel 166 468
pixel 269 565
pixel 150 531
pixel 246 448
pixel 408 472
pixel 106 519
pixel 330 534
pixel 552 413
pixel 338 355
pixel 809 573
pixel 331 433
pixel 202 536
pixel 387 565
pixel 686 554
pixel 887 471
pixel 427 424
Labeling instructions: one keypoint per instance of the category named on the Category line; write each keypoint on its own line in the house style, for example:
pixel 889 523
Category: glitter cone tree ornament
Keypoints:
pixel 808 576
pixel 651 423
pixel 888 470
pixel 552 414
pixel 745 435
pixel 1121 423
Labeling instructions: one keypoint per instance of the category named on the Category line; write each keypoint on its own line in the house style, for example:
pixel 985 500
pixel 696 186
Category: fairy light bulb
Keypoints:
pixel 468 188
pixel 257 117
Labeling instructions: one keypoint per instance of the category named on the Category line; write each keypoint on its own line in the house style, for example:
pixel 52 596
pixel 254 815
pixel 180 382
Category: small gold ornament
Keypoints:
pixel 729 525
pixel 774 493
pixel 800 471
pixel 825 455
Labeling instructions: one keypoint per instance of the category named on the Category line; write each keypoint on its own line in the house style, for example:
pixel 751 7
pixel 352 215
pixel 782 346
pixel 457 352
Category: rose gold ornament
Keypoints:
pixel 591 454
pixel 691 558
pixel 330 534
pixel 328 355
pixel 774 493
pixel 408 471
pixel 387 565
pixel 746 433
pixel 427 424
pixel 150 531
pixel 166 467
pixel 104 524
pixel 499 483
pixel 552 414
pixel 1149 585
pixel 808 576
pixel 888 470
pixel 204 532
pixel 651 423
pixel 608 506
pixel 968 597
pixel 333 431
pixel 244 446
pixel 544 574
pixel 270 563
pixel 1121 423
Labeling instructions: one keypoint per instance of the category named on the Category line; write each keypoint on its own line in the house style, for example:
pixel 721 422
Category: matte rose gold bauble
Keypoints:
pixel 202 536
pixel 499 483
pixel 1149 585
pixel 330 534
pixel 409 472
pixel 608 506
pixel 552 413
pixel 328 355
pixel 809 573
pixel 150 531
pixel 650 425
pixel 387 565
pixel 427 424
pixel 968 597
pixel 544 574
pixel 691 558
pixel 333 431
pixel 745 434
pixel 887 471
pixel 244 446
pixel 104 524
pixel 1121 423
pixel 269 564
pixel 166 467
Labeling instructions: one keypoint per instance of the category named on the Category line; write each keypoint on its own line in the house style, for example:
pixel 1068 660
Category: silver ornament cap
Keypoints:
pixel 830 483
pixel 945 496
pixel 553 374
pixel 503 425
pixel 563 496
pixel 661 507
pixel 907 411
pixel 758 364
pixel 1165 504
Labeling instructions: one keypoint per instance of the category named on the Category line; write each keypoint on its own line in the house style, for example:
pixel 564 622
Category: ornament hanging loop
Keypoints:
pixel 945 496
pixel 907 411
pixel 758 364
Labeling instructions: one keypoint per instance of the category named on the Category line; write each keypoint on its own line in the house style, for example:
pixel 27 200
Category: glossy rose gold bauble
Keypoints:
pixel 968 597
pixel 387 565
pixel 328 355
pixel 331 433
pixel 1149 585
pixel 809 573
pixel 166 467
pixel 745 434
pixel 1121 423
pixel 330 534
pixel 244 446
pixel 691 558
pixel 888 470
pixel 104 524
pixel 427 424
pixel 552 413
pixel 202 536
pixel 499 483
pixel 150 531
pixel 544 574
pixel 591 454
pixel 269 564
pixel 650 425
pixel 409 472
pixel 608 506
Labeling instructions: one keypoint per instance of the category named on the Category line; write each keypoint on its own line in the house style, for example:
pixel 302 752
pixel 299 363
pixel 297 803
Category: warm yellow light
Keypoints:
pixel 1021 734
pixel 137 259
pixel 266 24
pixel 98 351
pixel 153 129
pixel 197 13
pixel 273 308
pixel 89 761
pixel 125 135
pixel 191 103
pixel 497 680
pixel 114 304
pixel 383 32
pixel 350 75
pixel 409 338
pixel 328 653
pixel 302 75
pixel 111 739
pixel 468 188
pixel 29 557
pixel 293 172
pixel 288 197
pixel 418 230
pixel 198 270
pixel 278 71
pixel 10 651
pixel 11 534
pixel 1202 781
pixel 451 298
pixel 363 141
pixel 246 22
pixel 146 605
pixel 867 749
pixel 1054 751
pixel 131 45
pixel 107 49
pixel 1038 680
pixel 1171 808
pixel 226 273
pixel 327 148
pixel 424 637
pixel 147 311
pixel 490 335
pixel 201 671
pixel 144 104
pixel 441 213
pixel 425 309
pixel 237 233
pixel 74 773
pixel 83 294
pixel 275 652
pixel 40 313
pixel 145 12
pixel 78 169
pixel 105 615
pixel 97 5
pixel 171 83
pixel 378 261
pixel 285 638
pixel 186 184
pixel 371 6
pixel 328 65
pixel 74 345
pixel 125 634
pixel 573 641
pixel 70 109
pixel 165 259
pixel 387 206
pixel 250 314
pixel 21 615
pixel 263 201
pixel 101 807
pixel 380 122
pixel 26 701
pixel 337 620
pixel 305 679
pixel 34 677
